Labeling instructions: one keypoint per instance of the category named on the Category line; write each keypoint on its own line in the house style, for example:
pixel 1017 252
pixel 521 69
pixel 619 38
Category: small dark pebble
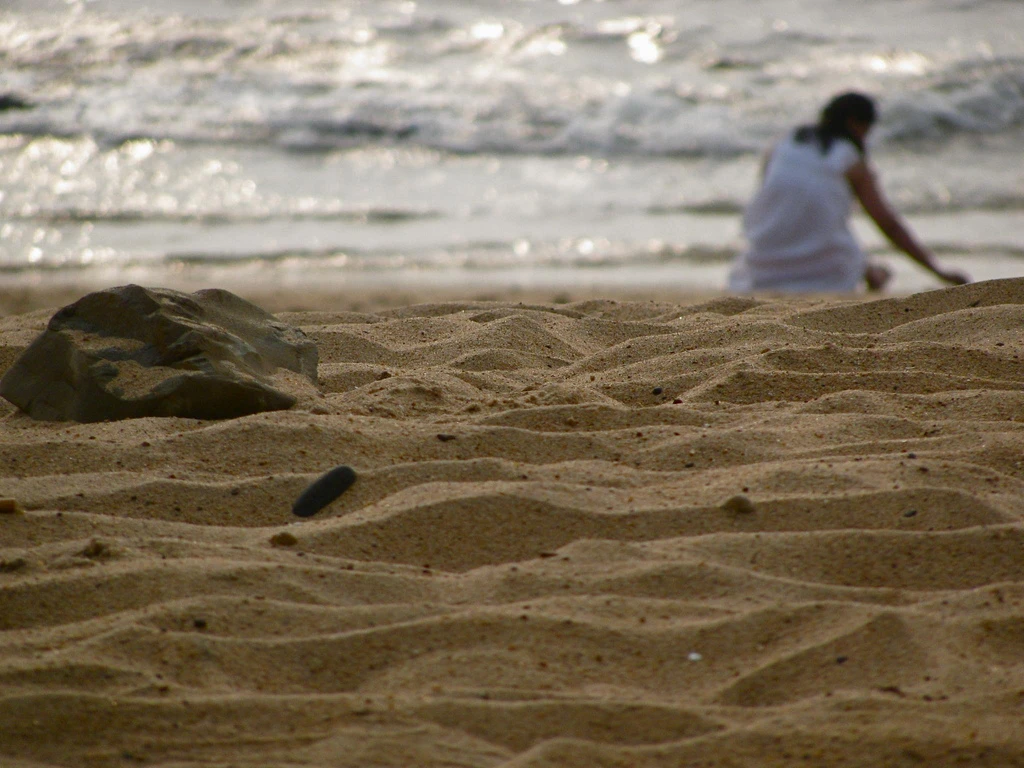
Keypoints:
pixel 841 659
pixel 11 101
pixel 324 490
pixel 199 623
pixel 910 513
pixel 10 566
pixel 96 550
pixel 283 539
pixel 10 507
pixel 444 438
pixel 739 504
pixel 657 391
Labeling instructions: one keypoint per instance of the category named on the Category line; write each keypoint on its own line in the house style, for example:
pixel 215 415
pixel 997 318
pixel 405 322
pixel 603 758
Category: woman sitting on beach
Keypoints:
pixel 797 224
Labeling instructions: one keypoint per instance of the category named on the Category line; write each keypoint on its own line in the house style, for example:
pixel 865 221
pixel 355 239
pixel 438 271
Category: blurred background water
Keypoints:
pixel 481 142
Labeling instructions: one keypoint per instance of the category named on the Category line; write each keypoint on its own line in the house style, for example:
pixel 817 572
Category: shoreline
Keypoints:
pixel 369 295
pixel 377 291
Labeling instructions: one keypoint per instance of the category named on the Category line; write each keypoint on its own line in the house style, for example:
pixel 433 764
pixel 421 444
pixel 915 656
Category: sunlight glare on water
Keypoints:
pixel 394 137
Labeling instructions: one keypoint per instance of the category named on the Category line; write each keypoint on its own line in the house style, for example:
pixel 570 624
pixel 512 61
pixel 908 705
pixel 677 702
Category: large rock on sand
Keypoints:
pixel 129 352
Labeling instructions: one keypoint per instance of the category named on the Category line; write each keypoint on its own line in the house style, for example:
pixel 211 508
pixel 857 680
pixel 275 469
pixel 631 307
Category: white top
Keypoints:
pixel 797 224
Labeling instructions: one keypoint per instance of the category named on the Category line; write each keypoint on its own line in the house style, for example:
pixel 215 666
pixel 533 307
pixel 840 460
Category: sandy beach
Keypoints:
pixel 586 531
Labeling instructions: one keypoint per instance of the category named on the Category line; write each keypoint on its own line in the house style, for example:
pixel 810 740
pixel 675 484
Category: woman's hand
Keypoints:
pixel 952 276
pixel 867 190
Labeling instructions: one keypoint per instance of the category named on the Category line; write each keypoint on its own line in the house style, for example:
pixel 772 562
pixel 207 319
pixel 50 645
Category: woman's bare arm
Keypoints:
pixel 766 159
pixel 867 190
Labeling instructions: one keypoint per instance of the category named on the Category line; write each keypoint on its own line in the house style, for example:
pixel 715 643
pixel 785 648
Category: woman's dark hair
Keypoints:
pixel 833 123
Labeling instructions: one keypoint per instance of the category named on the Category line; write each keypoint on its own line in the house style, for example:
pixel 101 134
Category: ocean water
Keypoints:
pixel 482 142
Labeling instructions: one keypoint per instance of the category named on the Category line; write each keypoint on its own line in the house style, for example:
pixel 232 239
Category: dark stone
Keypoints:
pixel 739 504
pixel 324 490
pixel 130 352
pixel 13 101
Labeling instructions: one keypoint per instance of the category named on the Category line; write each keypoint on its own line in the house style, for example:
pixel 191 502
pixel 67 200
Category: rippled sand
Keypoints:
pixel 732 532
